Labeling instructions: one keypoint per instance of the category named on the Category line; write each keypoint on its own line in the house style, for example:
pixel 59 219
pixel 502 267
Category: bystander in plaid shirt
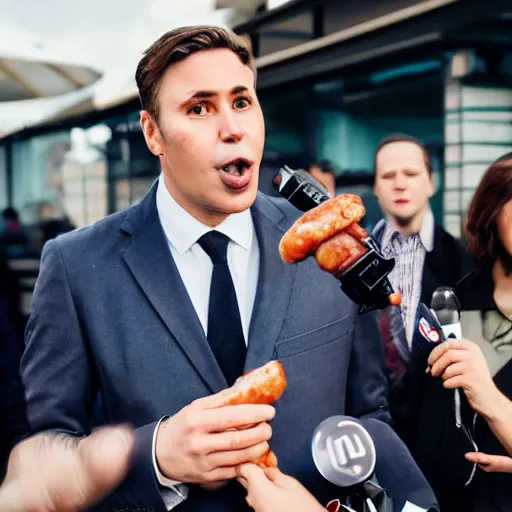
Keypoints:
pixel 406 277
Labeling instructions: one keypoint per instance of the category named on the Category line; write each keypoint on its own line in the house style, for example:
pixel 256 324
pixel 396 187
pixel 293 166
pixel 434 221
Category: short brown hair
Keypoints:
pixel 177 45
pixel 494 191
pixel 402 137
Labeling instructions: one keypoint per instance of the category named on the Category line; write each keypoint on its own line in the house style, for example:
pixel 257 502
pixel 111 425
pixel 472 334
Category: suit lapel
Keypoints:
pixel 275 283
pixel 150 261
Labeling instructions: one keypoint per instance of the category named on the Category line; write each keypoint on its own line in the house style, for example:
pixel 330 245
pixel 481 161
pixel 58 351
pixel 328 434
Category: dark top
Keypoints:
pixel 424 411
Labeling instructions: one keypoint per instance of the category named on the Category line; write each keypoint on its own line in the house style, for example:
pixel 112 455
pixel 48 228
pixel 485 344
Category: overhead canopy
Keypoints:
pixel 28 71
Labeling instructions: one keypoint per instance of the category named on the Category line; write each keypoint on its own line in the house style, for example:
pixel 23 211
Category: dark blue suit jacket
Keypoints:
pixel 111 315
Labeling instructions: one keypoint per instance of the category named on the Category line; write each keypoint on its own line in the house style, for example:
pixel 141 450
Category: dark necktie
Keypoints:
pixel 225 334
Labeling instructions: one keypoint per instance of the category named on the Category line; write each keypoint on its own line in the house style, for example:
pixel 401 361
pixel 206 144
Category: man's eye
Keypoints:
pixel 241 103
pixel 199 110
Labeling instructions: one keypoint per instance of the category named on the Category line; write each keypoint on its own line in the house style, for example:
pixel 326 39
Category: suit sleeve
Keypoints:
pixel 58 374
pixel 367 384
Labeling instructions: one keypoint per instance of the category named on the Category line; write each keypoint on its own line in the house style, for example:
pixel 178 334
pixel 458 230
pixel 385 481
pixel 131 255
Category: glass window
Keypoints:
pixel 132 168
pixel 37 180
pixel 3 177
pixel 286 121
pixel 62 176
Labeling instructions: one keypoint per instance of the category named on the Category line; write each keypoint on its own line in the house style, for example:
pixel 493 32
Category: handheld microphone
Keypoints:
pixel 300 188
pixel 344 454
pixel 366 281
pixel 446 307
pixel 343 451
pixel 347 452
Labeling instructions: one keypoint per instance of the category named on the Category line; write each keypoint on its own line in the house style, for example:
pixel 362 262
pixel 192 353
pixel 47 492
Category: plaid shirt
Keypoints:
pixel 409 253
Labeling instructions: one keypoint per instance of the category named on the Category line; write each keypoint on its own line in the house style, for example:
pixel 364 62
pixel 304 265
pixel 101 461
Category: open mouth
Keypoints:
pixel 236 174
pixel 236 167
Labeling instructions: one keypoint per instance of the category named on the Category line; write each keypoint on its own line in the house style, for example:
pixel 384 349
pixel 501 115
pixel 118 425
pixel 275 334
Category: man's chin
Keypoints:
pixel 403 220
pixel 237 201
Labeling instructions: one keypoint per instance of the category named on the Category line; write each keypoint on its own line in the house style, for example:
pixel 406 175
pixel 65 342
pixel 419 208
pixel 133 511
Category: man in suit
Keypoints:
pixel 426 257
pixel 163 305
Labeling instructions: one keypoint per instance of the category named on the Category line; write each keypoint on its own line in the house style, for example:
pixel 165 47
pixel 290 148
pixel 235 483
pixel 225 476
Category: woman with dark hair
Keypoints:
pixel 481 368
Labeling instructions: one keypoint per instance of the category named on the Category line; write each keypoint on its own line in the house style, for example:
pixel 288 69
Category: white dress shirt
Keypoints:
pixel 195 267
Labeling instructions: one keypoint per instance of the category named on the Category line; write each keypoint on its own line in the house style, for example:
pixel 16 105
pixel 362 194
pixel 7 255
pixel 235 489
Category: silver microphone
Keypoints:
pixel 446 307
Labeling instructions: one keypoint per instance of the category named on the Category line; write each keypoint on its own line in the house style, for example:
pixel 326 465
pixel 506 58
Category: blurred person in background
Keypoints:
pixel 323 171
pixel 58 473
pixel 130 305
pixel 50 225
pixel 13 238
pixel 13 422
pixel 426 256
pixel 480 366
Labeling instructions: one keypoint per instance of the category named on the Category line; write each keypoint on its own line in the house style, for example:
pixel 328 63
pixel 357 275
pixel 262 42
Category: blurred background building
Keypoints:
pixel 334 76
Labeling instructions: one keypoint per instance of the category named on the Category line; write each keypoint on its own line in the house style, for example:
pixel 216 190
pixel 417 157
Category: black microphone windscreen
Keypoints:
pixel 446 306
pixel 396 469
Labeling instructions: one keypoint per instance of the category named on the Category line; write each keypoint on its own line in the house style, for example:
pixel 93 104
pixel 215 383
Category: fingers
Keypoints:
pixel 477 457
pixel 455 382
pixel 233 416
pixel 454 370
pixel 238 439
pixel 450 344
pixel 279 478
pixel 448 358
pixel 211 401
pixel 237 457
pixel 217 475
pixel 251 475
pixel 105 459
pixel 273 474
pixel 491 463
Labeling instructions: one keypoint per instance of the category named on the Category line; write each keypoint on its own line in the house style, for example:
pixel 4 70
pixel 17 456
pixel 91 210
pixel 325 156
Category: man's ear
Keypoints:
pixel 151 133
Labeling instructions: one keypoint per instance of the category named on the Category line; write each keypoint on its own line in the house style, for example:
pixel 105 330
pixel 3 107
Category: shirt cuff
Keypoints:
pixel 172 491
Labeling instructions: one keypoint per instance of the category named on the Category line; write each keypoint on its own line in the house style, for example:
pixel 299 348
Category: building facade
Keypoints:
pixel 334 76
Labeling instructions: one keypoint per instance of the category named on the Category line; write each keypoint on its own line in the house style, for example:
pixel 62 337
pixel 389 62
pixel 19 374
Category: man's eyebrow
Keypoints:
pixel 202 95
pixel 211 94
pixel 238 89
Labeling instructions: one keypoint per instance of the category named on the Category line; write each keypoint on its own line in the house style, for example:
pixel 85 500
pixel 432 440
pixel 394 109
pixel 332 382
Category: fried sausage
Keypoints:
pixel 318 225
pixel 263 385
pixel 339 253
pixel 357 232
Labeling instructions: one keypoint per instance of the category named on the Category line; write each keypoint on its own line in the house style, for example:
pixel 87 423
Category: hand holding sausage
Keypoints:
pixel 206 441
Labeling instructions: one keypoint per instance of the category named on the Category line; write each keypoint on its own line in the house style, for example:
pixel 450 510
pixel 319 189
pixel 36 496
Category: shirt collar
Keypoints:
pixel 183 230
pixel 426 233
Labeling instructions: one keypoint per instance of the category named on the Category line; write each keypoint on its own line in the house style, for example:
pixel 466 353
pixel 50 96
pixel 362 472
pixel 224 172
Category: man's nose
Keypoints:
pixel 400 182
pixel 230 128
